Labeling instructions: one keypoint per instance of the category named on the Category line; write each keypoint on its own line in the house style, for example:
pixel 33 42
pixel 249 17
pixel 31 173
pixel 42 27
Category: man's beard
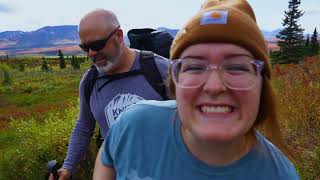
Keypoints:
pixel 112 63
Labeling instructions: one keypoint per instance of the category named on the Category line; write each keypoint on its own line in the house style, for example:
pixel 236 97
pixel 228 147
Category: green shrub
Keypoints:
pixel 4 67
pixel 7 78
pixel 45 66
pixel 75 63
pixel 21 67
pixel 34 142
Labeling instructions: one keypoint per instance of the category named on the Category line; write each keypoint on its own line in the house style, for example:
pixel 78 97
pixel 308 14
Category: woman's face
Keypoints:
pixel 213 111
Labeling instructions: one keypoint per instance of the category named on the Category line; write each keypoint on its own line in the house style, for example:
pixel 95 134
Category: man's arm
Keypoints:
pixel 101 171
pixel 81 135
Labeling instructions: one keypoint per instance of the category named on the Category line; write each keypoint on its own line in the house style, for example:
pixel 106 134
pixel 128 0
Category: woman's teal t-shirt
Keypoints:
pixel 146 144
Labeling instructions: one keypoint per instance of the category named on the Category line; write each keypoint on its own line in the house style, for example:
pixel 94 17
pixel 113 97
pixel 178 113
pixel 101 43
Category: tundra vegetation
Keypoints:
pixel 38 109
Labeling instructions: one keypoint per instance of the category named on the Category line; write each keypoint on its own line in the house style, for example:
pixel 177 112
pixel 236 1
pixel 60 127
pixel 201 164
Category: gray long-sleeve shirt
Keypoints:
pixel 106 105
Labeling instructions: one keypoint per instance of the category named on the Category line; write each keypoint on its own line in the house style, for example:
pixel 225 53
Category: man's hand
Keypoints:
pixel 64 174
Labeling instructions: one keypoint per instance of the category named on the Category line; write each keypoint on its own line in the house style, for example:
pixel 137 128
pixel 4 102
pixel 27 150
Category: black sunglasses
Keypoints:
pixel 99 44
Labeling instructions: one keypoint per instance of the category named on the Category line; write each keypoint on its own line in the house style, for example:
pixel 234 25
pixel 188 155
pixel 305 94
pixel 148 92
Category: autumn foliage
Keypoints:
pixel 298 89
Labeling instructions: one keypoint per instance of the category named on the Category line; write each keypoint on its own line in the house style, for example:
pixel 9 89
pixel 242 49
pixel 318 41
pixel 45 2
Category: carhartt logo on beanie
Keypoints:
pixel 223 21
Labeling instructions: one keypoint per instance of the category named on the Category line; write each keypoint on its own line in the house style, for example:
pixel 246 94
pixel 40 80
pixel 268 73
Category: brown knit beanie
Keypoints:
pixel 223 21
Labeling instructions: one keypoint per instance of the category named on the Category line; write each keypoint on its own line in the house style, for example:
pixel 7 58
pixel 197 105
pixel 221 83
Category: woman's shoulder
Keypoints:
pixel 146 112
pixel 147 107
pixel 274 156
pixel 169 104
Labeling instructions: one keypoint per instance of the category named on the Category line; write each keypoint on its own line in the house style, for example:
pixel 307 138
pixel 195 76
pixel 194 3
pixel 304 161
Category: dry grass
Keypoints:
pixel 298 88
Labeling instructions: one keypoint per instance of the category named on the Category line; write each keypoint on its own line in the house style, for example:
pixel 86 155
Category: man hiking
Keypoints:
pixel 119 78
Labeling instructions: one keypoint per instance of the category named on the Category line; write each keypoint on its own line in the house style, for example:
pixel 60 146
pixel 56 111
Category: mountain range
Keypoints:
pixel 48 40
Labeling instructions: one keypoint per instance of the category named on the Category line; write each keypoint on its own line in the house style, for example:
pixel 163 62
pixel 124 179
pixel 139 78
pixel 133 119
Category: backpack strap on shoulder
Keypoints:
pixel 88 87
pixel 152 73
pixel 119 76
pixel 89 84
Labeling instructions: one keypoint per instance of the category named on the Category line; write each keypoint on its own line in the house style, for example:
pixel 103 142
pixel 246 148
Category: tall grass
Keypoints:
pixel 298 88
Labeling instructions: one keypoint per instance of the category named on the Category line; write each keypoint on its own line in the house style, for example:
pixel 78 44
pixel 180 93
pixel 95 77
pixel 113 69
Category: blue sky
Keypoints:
pixel 29 15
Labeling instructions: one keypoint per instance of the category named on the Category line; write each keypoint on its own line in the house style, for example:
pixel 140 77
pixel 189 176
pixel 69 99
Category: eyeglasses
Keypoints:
pixel 237 73
pixel 99 44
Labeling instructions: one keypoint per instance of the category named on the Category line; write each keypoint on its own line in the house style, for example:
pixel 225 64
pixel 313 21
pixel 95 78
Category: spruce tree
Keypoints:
pixel 307 48
pixel 7 78
pixel 75 63
pixel 314 44
pixel 62 62
pixel 45 66
pixel 308 41
pixel 21 67
pixel 291 40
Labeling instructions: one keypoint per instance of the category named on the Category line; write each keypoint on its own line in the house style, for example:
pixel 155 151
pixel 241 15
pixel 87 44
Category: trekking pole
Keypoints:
pixel 52 168
pixel 99 140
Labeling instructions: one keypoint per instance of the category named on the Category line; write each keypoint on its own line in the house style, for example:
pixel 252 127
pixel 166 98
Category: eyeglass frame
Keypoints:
pixel 98 45
pixel 258 63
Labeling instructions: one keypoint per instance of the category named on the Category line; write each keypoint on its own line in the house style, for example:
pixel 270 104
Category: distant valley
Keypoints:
pixel 48 40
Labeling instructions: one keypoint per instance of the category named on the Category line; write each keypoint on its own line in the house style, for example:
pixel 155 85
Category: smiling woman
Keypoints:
pixel 221 82
pixel 224 104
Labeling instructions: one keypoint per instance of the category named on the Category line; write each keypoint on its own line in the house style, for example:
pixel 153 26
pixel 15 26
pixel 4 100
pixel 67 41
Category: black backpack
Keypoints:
pixel 145 39
pixel 157 41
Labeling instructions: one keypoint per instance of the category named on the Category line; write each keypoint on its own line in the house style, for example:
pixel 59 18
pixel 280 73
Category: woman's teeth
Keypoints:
pixel 216 109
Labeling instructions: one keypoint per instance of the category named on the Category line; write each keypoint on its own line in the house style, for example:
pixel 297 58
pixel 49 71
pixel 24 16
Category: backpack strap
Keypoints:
pixel 89 84
pixel 152 73
pixel 119 76
pixel 88 87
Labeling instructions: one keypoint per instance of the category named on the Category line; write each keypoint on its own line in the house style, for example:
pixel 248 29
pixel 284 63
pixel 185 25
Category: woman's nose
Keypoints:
pixel 214 83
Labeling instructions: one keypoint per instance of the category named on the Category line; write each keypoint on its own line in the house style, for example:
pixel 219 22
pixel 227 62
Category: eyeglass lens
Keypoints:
pixel 236 73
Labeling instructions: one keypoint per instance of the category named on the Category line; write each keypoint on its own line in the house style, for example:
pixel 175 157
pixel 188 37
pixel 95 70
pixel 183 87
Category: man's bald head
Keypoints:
pixel 99 17
pixel 97 23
